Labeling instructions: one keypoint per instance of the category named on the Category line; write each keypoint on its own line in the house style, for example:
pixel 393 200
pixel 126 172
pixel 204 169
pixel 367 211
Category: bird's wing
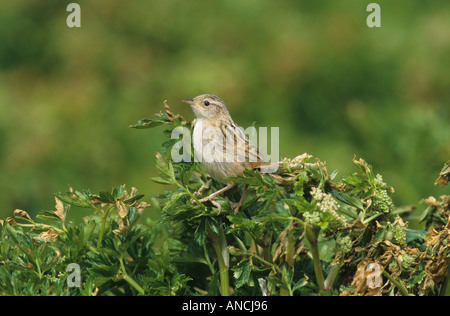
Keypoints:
pixel 238 147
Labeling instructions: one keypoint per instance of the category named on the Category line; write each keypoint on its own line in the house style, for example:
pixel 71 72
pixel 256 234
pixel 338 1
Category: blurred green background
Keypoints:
pixel 334 86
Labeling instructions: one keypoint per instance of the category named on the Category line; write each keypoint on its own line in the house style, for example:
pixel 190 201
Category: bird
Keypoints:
pixel 221 145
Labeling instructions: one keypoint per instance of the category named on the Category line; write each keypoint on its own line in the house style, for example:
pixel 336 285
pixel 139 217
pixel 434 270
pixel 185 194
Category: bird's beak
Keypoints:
pixel 189 101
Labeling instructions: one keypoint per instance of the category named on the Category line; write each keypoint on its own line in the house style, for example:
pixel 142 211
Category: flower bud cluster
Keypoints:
pixel 326 205
pixel 382 202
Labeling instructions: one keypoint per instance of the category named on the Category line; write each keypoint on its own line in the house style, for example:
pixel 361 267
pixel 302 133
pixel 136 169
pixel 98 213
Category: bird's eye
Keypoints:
pixel 206 103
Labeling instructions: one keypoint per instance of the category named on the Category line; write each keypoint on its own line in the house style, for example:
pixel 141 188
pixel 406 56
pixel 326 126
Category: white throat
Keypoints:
pixel 197 139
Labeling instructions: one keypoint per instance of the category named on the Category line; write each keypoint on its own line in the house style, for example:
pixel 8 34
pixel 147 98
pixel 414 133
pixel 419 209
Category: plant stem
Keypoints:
pixel 445 289
pixel 298 220
pixel 312 233
pixel 102 228
pixel 185 189
pixel 398 284
pixel 129 279
pixel 334 271
pixel 317 267
pixel 223 273
pixel 38 269
pixel 208 261
pixel 220 247
pixel 134 284
pixel 284 292
pixel 267 263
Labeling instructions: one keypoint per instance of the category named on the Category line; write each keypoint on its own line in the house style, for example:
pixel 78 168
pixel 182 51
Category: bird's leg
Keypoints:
pixel 213 195
pixel 219 207
pixel 236 206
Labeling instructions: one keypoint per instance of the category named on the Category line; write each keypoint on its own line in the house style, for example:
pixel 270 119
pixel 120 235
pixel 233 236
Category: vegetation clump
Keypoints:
pixel 300 231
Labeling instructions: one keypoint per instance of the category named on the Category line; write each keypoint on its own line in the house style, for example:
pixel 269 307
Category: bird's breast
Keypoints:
pixel 197 139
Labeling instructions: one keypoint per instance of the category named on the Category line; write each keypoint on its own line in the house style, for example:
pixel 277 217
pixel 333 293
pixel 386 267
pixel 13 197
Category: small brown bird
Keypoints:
pixel 220 145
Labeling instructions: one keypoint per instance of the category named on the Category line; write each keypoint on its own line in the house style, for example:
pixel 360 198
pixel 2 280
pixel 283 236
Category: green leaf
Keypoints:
pixel 242 273
pixel 273 217
pixel 76 198
pixel 134 199
pixel 105 197
pixel 162 180
pixel 117 192
pixel 416 277
pixel 299 184
pixel 185 171
pixel 174 197
pixel 201 234
pixel 299 284
pixel 167 145
pixel 414 234
pixel 327 247
pixel 349 199
pixel 48 216
pixel 165 169
pixel 299 202
pixel 89 230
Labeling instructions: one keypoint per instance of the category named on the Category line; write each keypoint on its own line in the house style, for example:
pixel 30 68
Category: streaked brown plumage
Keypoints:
pixel 219 144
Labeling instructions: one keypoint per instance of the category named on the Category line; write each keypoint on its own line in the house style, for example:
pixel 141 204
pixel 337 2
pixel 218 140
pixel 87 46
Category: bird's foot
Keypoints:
pixel 211 197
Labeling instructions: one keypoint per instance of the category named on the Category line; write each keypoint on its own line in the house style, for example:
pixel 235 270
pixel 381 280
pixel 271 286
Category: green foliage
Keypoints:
pixel 299 231
pixel 117 255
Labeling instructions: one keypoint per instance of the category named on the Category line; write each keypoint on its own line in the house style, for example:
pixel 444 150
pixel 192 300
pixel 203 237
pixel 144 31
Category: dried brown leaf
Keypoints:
pixel 22 213
pixel 134 192
pixel 59 209
pixel 444 175
pixel 167 108
pixel 141 206
pixel 431 200
pixel 11 221
pixel 438 269
pixel 123 226
pixel 49 235
pixel 121 208
pixel 432 237
pixel 360 280
pixel 287 245
pixel 362 163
